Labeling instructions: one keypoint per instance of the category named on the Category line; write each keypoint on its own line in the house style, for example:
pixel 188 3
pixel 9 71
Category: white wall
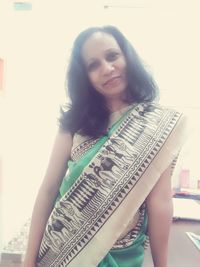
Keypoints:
pixel 36 45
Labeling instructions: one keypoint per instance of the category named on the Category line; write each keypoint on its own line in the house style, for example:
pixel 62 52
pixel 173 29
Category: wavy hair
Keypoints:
pixel 87 112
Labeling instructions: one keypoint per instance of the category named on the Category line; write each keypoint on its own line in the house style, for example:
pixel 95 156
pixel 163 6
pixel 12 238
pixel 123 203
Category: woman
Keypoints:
pixel 119 145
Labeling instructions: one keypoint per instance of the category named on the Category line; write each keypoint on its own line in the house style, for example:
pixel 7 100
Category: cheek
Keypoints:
pixel 122 64
pixel 93 78
pixel 124 67
pixel 124 71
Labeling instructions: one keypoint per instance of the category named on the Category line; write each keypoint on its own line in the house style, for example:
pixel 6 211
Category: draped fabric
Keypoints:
pixel 131 255
pixel 106 187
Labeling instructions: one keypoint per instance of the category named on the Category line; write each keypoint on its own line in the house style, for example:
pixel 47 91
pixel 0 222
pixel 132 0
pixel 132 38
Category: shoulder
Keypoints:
pixel 165 111
pixel 171 122
pixel 64 140
pixel 64 135
pixel 174 113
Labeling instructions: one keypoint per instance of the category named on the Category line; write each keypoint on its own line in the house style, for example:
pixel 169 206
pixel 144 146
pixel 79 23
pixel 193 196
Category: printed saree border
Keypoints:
pixel 143 136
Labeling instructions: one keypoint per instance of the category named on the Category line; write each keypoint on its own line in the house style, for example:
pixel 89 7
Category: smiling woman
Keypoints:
pixel 117 145
pixel 102 62
pixel 106 67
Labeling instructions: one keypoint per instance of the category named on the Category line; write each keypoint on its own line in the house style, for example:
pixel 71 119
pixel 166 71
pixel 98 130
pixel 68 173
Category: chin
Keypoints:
pixel 114 92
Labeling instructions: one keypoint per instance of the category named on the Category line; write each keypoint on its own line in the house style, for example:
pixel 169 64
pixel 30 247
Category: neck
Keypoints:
pixel 115 104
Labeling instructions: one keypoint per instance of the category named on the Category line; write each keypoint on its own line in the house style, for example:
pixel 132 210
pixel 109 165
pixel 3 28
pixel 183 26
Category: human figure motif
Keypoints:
pixel 60 215
pixel 107 178
pixel 72 217
pixel 54 238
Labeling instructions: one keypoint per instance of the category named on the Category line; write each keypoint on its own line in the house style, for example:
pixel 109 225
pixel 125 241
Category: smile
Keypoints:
pixel 112 82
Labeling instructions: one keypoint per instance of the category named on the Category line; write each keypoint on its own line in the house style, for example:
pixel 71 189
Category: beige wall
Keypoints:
pixel 36 46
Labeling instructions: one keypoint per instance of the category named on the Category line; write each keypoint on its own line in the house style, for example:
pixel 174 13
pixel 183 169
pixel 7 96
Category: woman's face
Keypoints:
pixel 105 65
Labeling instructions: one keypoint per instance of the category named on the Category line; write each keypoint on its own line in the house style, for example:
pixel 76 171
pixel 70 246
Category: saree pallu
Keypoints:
pixel 131 253
pixel 105 188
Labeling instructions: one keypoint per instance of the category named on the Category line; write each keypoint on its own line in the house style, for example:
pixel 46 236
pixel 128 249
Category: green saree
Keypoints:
pixel 132 256
pixel 107 186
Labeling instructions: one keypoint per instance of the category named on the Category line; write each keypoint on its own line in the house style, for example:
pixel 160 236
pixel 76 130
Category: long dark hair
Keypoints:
pixel 87 113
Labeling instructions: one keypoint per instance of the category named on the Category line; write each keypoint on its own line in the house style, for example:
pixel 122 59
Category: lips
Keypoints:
pixel 112 81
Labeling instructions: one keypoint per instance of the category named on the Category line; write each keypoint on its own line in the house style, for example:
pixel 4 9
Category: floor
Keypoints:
pixel 10 264
pixel 186 254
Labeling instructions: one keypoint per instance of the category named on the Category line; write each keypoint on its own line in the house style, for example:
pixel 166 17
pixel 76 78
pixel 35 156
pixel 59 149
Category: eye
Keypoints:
pixel 112 56
pixel 93 66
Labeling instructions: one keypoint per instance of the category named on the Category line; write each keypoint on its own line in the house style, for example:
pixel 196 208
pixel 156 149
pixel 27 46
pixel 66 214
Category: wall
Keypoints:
pixel 36 45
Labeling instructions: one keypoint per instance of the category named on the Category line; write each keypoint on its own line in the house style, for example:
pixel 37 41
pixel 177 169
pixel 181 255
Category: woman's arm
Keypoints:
pixel 47 194
pixel 160 212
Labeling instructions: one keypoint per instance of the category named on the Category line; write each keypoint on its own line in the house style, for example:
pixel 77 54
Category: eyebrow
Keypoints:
pixel 107 50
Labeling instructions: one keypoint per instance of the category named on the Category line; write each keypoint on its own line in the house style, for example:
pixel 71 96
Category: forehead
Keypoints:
pixel 97 44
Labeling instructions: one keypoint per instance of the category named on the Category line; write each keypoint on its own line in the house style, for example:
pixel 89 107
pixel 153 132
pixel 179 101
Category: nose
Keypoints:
pixel 107 67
